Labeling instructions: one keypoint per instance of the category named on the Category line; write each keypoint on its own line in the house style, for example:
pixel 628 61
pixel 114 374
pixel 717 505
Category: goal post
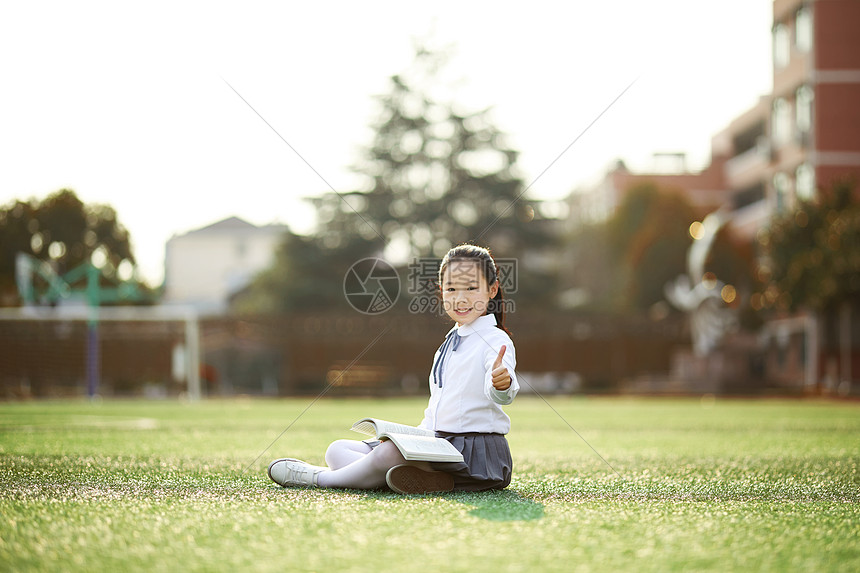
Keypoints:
pixel 60 318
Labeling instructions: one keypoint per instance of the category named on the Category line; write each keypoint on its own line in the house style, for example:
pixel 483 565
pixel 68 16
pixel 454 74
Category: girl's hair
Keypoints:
pixel 487 264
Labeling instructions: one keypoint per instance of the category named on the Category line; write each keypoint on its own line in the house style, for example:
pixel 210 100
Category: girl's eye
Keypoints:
pixel 473 288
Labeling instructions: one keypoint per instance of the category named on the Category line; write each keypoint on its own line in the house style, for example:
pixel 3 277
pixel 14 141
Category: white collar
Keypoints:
pixel 480 323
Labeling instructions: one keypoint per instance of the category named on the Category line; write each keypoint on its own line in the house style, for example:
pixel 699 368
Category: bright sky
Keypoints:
pixel 128 105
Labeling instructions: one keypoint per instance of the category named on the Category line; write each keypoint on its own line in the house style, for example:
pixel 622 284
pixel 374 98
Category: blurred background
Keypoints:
pixel 186 189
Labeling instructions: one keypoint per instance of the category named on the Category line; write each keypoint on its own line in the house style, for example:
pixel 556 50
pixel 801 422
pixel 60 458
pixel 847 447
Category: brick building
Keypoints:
pixel 793 144
pixel 805 134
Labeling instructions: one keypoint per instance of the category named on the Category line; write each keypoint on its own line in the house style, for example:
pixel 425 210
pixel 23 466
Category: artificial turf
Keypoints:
pixel 601 484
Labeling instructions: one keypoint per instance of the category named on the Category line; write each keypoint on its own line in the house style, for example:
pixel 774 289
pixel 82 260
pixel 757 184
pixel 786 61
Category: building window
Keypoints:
pixel 804 182
pixel 803 30
pixel 748 196
pixel 241 249
pixel 803 111
pixel 781 46
pixel 781 122
pixel 781 188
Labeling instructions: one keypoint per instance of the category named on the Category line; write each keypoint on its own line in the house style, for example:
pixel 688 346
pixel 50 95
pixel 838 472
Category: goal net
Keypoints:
pixel 108 351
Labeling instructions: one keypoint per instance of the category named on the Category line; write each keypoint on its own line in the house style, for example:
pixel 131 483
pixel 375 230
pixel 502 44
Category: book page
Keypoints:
pixel 426 448
pixel 376 427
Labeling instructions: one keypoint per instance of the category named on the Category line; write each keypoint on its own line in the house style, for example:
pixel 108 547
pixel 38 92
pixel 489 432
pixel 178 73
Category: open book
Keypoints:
pixel 414 443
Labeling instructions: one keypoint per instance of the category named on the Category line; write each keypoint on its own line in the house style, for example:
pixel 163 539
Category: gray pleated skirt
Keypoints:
pixel 486 464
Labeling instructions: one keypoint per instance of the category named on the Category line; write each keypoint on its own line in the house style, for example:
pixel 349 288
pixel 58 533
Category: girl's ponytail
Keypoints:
pixel 496 306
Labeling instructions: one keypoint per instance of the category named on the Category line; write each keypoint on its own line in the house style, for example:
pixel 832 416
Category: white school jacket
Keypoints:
pixel 467 401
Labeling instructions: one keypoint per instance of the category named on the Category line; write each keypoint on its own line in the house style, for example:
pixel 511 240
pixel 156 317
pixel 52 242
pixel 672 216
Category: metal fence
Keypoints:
pixel 306 354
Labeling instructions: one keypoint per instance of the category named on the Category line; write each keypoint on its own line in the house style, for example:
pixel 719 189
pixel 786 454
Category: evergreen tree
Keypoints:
pixel 435 177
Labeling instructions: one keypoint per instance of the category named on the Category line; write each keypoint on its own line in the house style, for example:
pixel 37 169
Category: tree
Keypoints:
pixel 594 275
pixel 62 231
pixel 648 241
pixel 436 176
pixel 813 253
pixel 305 276
pixel 649 238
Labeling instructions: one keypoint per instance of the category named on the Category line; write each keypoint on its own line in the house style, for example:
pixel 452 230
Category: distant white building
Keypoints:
pixel 204 267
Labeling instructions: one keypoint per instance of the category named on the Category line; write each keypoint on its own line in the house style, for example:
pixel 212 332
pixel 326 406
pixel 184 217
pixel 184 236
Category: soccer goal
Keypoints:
pixel 69 350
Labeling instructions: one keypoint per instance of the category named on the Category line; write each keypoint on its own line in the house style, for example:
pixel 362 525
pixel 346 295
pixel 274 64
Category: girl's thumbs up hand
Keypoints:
pixel 500 374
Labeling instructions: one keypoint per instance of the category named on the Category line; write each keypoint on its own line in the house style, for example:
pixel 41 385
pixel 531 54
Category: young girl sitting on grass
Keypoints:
pixel 473 375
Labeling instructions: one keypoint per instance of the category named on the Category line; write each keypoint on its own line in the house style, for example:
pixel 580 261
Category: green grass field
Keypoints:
pixel 719 485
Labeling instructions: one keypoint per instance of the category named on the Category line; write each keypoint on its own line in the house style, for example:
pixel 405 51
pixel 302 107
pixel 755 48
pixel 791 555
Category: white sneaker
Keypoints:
pixel 288 472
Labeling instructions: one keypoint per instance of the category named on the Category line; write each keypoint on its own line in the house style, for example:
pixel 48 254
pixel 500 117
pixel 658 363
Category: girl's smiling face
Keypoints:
pixel 465 293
